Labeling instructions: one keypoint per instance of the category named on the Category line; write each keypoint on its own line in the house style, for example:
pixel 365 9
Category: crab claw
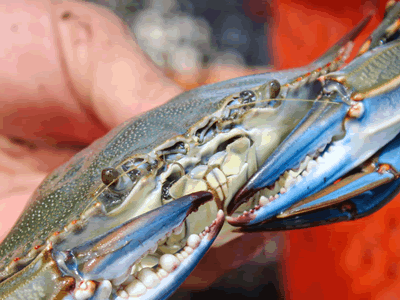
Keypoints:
pixel 350 123
pixel 383 168
pixel 112 256
pixel 357 207
pixel 181 270
pixel 354 196
pixel 386 31
pixel 322 122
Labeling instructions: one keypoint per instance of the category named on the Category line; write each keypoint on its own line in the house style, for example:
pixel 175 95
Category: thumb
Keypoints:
pixel 70 72
pixel 109 72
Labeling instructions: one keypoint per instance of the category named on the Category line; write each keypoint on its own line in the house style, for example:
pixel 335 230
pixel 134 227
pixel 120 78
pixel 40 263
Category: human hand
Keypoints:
pixel 70 71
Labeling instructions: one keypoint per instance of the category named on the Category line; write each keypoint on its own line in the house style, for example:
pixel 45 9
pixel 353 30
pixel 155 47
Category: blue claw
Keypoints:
pixel 169 284
pixel 357 207
pixel 353 123
pixel 355 196
pixel 110 257
pixel 384 168
pixel 102 257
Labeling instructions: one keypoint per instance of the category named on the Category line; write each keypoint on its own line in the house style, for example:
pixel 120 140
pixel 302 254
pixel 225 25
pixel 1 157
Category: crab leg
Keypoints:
pixel 357 113
pixel 386 31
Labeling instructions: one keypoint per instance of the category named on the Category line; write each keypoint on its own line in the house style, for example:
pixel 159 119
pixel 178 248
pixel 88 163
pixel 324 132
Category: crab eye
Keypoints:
pixel 274 88
pixel 110 176
pixel 116 181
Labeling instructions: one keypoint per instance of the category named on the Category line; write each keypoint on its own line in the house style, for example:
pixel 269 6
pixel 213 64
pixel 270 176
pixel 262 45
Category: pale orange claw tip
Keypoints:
pixel 49 246
pixel 356 111
pixel 337 181
pixel 357 97
pixel 389 4
pixel 384 168
pixel 364 48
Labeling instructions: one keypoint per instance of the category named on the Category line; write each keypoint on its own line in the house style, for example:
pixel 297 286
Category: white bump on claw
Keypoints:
pixel 290 181
pixel 161 273
pixel 189 249
pixel 193 241
pixel 136 288
pixel 169 262
pixel 263 201
pixel 311 165
pixel 104 290
pixel 123 294
pixel 85 290
pixel 180 257
pixel 148 278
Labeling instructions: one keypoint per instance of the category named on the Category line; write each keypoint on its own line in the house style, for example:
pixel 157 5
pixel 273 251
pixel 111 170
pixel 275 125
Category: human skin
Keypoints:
pixel 71 71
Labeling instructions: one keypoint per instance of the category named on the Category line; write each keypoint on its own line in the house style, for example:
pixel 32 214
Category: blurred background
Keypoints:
pixel 189 39
pixel 197 42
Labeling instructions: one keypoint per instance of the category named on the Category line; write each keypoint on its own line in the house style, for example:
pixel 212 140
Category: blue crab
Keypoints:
pixel 121 220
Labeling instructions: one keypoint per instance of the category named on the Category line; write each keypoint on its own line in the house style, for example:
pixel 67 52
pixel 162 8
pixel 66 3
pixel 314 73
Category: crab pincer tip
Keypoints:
pixel 198 199
pixel 240 197
pixel 242 220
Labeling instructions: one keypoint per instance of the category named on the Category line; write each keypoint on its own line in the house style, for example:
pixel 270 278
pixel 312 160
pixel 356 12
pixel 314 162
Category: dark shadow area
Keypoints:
pixel 250 281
